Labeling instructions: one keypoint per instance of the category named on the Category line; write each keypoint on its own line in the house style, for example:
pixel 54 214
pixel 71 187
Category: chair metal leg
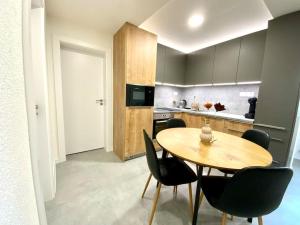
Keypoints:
pixel 146 186
pixel 201 197
pixel 260 221
pixel 209 171
pixel 191 198
pixel 224 219
pixel 175 190
pixel 154 203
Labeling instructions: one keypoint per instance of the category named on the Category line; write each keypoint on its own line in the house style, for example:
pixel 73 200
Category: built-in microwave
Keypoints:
pixel 138 95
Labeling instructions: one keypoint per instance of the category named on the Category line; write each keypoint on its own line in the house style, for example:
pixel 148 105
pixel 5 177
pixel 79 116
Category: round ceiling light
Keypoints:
pixel 195 21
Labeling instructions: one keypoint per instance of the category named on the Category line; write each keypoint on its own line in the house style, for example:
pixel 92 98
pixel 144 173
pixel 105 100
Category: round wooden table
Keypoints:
pixel 226 152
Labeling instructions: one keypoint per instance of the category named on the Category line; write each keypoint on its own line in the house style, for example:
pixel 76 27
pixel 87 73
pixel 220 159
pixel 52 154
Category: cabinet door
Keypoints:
pixel 251 57
pixel 160 63
pixel 199 66
pixel 216 124
pixel 193 120
pixel 279 92
pixel 236 128
pixel 140 61
pixel 137 119
pixel 226 61
pixel 174 66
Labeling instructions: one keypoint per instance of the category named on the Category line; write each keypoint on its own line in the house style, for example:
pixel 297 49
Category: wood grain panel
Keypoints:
pixel 137 119
pixel 236 128
pixel 134 59
pixel 119 85
pixel 141 56
pixel 227 152
pixel 216 124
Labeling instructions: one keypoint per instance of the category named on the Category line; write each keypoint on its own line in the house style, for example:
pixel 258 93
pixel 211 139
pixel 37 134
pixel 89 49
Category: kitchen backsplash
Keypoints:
pixel 165 95
pixel 234 97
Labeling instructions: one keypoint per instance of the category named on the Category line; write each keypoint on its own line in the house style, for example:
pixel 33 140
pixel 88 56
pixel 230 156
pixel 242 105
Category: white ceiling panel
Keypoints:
pixel 103 15
pixel 282 7
pixel 223 20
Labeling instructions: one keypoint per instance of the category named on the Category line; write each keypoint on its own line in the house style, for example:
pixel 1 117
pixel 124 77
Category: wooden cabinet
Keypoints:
pixel 134 52
pixel 217 124
pixel 193 120
pixel 236 128
pixel 226 61
pixel 199 66
pixel 170 66
pixel 140 56
pixel 178 115
pixel 137 119
pixel 251 57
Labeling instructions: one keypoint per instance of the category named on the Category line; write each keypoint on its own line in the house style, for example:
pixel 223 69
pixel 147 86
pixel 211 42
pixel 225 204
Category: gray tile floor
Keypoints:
pixel 96 188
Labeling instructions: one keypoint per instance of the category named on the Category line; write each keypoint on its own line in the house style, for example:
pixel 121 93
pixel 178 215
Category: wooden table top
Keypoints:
pixel 227 152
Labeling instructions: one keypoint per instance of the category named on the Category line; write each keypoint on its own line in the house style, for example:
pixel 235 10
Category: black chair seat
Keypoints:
pixel 228 171
pixel 175 172
pixel 213 187
pixel 251 192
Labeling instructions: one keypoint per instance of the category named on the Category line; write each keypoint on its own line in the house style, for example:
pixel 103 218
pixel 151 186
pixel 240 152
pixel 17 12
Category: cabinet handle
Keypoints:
pixel 269 126
pixel 276 139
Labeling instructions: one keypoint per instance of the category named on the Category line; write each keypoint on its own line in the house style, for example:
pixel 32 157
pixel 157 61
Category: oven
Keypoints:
pixel 137 95
pixel 160 122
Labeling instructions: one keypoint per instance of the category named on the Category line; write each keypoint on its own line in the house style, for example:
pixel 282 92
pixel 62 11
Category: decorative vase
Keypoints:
pixel 206 134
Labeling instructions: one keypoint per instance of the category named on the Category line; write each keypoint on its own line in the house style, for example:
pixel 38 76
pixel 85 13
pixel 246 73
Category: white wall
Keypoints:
pixel 58 28
pixel 17 194
pixel 295 145
pixel 37 95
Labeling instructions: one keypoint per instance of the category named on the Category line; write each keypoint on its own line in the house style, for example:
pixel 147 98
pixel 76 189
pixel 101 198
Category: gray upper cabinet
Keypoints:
pixel 199 66
pixel 160 63
pixel 279 92
pixel 175 62
pixel 251 57
pixel 226 61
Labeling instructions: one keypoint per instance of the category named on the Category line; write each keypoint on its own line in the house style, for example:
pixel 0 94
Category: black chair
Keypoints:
pixel 251 192
pixel 167 171
pixel 258 137
pixel 175 122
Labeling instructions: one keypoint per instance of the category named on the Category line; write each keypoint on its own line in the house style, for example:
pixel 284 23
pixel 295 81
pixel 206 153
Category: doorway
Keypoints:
pixel 83 93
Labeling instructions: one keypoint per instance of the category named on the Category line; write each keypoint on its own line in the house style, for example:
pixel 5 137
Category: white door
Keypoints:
pixel 82 87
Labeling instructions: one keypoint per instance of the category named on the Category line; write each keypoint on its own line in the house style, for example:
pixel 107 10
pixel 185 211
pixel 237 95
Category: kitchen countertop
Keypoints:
pixel 223 115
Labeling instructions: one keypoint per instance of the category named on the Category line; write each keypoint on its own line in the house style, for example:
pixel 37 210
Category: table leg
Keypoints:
pixel 198 189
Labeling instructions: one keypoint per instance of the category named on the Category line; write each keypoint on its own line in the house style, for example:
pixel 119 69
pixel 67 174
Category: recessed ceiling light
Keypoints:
pixel 195 21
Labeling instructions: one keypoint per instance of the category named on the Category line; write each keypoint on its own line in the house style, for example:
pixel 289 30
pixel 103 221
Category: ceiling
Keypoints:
pixel 103 15
pixel 282 7
pixel 223 20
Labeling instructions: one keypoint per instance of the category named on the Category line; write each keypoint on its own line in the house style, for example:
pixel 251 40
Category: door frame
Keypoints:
pixel 57 43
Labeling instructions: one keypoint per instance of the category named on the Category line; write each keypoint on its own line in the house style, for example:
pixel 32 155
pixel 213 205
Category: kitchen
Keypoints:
pixel 136 108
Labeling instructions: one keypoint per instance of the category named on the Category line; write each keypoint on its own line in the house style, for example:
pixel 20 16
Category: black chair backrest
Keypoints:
pixel 151 156
pixel 175 122
pixel 254 192
pixel 259 137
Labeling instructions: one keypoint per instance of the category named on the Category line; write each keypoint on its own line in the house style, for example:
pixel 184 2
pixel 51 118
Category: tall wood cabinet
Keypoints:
pixel 134 62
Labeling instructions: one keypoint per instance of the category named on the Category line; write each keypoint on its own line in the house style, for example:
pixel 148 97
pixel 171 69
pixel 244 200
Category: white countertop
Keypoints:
pixel 223 115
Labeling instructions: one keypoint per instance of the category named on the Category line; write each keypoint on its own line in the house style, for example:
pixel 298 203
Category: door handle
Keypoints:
pixel 100 101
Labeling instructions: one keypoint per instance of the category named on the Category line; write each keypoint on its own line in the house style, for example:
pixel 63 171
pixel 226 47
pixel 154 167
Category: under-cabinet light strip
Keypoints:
pixel 207 85
pixel 248 82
